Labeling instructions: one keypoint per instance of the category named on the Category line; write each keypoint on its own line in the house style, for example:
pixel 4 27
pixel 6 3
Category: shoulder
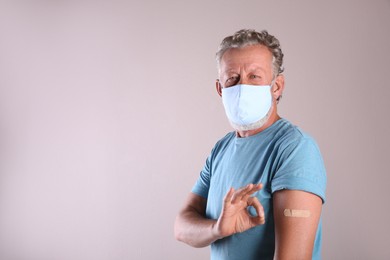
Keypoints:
pixel 223 142
pixel 290 135
pixel 299 163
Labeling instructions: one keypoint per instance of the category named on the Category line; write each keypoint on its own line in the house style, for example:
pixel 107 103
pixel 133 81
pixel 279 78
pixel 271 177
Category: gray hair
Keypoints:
pixel 243 38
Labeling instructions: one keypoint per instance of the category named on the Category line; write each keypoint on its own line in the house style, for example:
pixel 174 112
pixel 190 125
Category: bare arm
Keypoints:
pixel 297 215
pixel 193 228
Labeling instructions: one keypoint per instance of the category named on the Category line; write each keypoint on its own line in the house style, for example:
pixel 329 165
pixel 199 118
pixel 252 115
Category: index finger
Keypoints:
pixel 245 192
pixel 254 189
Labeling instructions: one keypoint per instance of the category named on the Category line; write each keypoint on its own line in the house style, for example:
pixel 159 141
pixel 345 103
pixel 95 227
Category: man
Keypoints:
pixel 260 193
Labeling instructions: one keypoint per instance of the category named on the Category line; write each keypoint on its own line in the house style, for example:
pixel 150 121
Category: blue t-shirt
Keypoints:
pixel 280 157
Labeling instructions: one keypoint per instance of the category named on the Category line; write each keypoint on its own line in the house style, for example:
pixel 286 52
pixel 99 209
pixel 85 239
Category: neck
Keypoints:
pixel 273 118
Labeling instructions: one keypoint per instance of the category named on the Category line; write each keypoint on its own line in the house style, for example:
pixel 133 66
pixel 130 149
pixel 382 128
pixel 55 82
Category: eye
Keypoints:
pixel 231 81
pixel 253 76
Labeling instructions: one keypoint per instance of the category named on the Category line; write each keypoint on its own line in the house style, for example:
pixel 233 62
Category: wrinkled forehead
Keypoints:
pixel 252 57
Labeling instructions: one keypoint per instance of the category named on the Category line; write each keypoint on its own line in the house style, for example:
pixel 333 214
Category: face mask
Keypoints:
pixel 247 106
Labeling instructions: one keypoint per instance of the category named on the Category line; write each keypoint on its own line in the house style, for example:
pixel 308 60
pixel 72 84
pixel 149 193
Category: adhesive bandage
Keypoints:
pixel 298 213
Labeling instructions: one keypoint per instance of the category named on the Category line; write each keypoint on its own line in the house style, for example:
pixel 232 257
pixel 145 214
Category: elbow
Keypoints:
pixel 177 234
pixel 181 234
pixel 181 237
pixel 177 230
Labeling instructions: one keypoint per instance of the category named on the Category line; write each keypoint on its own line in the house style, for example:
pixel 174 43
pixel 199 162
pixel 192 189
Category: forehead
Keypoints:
pixel 254 56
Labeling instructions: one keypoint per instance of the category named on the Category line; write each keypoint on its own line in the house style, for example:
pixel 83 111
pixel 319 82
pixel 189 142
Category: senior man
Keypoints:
pixel 260 193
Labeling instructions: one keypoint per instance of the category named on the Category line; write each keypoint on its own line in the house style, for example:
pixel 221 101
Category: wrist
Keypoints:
pixel 216 231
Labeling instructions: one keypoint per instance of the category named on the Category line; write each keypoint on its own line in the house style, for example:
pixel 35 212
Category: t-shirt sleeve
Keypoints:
pixel 300 167
pixel 202 185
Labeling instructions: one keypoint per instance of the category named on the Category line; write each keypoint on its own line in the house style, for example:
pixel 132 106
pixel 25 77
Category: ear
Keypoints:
pixel 278 87
pixel 218 87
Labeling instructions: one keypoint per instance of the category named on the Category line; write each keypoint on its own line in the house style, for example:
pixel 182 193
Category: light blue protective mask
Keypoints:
pixel 246 104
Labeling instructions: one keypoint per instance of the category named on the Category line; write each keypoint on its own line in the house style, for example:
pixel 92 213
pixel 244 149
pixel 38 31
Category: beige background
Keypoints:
pixel 108 111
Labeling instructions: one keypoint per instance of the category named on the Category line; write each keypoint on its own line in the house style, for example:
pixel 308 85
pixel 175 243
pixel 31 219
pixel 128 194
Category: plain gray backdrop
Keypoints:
pixel 108 111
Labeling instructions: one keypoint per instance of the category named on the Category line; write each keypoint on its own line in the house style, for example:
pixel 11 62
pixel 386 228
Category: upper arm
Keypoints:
pixel 194 203
pixel 295 235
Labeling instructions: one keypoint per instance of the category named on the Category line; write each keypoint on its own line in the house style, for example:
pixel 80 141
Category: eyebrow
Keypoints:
pixel 255 68
pixel 233 71
pixel 250 69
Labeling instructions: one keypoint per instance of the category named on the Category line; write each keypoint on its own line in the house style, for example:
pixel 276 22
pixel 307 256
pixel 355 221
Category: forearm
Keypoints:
pixel 195 230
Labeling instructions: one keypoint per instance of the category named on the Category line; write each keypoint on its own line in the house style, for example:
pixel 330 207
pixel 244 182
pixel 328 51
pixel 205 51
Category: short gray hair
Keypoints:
pixel 245 37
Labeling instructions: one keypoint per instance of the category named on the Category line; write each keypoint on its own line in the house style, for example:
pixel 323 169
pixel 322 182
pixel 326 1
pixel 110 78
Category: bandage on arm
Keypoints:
pixel 296 215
